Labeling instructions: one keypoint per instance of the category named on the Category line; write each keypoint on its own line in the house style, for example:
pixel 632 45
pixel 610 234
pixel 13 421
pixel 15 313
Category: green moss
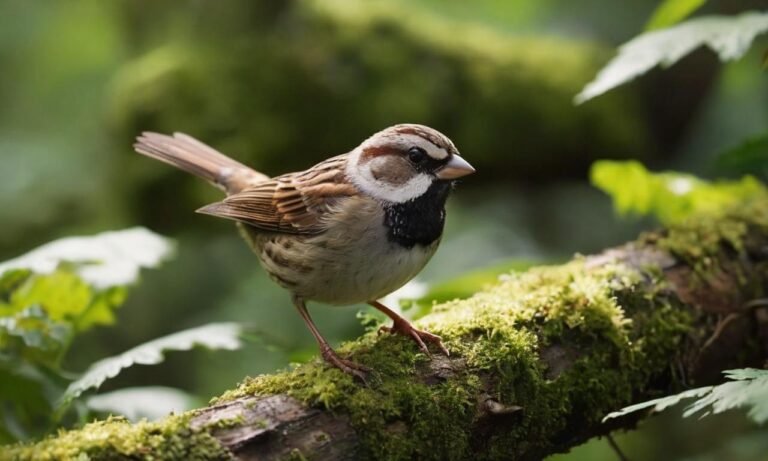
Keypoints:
pixel 295 455
pixel 500 333
pixel 701 240
pixel 118 439
pixel 226 423
pixel 701 237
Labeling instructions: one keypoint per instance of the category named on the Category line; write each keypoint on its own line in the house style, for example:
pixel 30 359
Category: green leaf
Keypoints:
pixel 748 388
pixel 728 36
pixel 136 403
pixel 670 12
pixel 28 393
pixel 751 157
pixel 670 196
pixel 9 281
pixel 65 297
pixel 32 338
pixel 57 290
pixel 104 260
pixel 76 281
pixel 35 330
pixel 662 403
pixel 101 310
pixel 24 404
pixel 211 336
pixel 62 294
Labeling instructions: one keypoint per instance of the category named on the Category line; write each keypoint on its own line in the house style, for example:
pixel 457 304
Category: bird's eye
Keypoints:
pixel 417 155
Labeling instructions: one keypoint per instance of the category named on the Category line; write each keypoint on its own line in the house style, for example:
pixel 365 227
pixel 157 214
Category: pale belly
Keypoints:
pixel 352 262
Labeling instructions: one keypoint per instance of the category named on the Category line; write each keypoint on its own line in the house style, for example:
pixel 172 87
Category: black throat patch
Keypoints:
pixel 419 221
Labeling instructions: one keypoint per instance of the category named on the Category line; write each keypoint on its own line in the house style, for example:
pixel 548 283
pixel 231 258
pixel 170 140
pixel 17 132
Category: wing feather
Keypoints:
pixel 292 203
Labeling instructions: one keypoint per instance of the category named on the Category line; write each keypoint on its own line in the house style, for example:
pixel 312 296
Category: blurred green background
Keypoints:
pixel 280 85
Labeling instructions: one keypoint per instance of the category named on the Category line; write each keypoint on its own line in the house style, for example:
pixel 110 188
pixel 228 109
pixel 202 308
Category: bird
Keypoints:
pixel 350 229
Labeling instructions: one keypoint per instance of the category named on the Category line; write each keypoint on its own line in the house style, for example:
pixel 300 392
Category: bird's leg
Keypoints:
pixel 329 355
pixel 404 327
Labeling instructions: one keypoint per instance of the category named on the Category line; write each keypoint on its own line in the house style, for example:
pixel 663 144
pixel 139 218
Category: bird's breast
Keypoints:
pixel 355 260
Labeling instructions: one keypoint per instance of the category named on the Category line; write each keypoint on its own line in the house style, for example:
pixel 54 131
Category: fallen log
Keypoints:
pixel 536 362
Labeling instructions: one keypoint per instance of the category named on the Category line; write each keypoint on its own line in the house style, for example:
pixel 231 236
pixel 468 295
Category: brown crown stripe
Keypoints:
pixel 431 136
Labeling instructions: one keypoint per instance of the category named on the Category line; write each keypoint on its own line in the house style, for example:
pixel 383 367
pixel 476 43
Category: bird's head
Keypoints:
pixel 402 162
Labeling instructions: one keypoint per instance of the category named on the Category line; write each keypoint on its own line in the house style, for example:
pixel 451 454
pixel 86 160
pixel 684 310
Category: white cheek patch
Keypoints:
pixel 363 178
pixel 415 187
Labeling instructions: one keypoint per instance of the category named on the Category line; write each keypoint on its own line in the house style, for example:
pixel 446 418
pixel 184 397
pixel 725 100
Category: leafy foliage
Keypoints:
pixel 729 37
pixel 59 290
pixel 102 261
pixel 67 286
pixel 748 388
pixel 670 196
pixel 670 12
pixel 750 157
pixel 212 336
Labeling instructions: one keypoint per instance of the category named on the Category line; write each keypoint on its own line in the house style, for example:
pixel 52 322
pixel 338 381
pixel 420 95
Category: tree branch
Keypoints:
pixel 535 364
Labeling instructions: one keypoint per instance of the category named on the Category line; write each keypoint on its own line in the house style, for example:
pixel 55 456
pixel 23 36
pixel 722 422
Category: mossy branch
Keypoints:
pixel 536 363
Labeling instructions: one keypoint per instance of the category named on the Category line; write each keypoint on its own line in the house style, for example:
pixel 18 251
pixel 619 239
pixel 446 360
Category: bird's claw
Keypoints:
pixel 347 366
pixel 421 337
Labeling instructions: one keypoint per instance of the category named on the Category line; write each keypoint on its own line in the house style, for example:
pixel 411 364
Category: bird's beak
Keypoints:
pixel 455 168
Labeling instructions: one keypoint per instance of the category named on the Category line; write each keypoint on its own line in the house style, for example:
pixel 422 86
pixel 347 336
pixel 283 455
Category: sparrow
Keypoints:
pixel 351 229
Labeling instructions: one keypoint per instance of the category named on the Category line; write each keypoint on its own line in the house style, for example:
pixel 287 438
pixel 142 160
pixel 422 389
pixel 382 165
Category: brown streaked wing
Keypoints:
pixel 292 203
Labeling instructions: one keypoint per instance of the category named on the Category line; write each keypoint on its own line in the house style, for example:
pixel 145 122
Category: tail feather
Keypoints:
pixel 189 154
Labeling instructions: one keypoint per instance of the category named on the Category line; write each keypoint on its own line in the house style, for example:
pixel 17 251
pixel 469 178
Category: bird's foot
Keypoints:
pixel 347 366
pixel 421 337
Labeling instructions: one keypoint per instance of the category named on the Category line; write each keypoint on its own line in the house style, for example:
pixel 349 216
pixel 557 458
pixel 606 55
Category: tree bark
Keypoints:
pixel 536 361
